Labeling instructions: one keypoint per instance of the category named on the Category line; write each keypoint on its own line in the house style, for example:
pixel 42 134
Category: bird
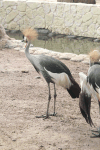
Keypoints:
pixel 53 71
pixel 90 87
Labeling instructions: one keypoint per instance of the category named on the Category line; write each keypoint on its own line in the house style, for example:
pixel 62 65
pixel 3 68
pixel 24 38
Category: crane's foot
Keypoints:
pixel 54 114
pixel 96 133
pixel 43 116
pixel 46 116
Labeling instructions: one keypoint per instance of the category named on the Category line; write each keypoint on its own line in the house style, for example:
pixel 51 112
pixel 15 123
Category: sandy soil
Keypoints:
pixel 23 97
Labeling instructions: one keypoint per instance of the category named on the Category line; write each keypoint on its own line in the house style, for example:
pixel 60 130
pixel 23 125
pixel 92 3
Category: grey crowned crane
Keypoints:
pixel 90 86
pixel 53 71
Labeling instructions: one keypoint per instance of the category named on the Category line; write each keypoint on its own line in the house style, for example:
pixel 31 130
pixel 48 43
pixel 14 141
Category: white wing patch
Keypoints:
pixel 82 79
pixel 85 87
pixel 60 79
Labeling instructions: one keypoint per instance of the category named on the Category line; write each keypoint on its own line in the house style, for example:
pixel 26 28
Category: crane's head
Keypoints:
pixel 29 35
pixel 94 56
pixel 24 39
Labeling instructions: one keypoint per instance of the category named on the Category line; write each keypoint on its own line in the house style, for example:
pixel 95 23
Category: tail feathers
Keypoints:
pixel 85 106
pixel 74 90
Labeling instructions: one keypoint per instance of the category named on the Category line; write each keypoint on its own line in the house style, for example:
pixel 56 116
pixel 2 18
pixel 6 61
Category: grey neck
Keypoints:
pixel 27 50
pixel 91 64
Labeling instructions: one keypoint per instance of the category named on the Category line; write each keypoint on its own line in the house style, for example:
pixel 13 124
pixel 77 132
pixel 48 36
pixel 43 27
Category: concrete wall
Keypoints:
pixel 66 18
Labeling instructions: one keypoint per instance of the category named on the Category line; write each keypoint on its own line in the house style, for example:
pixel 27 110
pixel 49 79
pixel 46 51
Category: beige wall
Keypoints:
pixel 68 18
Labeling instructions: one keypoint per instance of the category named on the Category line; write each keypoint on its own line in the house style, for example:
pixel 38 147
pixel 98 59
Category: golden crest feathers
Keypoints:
pixel 30 34
pixel 94 56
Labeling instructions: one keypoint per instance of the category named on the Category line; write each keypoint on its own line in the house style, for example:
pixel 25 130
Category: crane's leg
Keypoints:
pixel 98 130
pixel 55 95
pixel 49 98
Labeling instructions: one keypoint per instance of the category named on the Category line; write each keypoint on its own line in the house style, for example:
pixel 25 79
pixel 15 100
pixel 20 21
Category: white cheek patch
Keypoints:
pixel 25 38
pixel 60 79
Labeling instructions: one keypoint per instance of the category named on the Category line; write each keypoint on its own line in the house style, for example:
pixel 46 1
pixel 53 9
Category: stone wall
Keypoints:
pixel 65 18
pixel 79 1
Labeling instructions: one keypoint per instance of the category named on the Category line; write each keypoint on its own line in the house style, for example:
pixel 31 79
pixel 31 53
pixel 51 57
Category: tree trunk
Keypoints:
pixel 3 33
pixel 3 37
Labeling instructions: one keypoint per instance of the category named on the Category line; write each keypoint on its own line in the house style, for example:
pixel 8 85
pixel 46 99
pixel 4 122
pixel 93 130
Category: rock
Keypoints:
pixel 53 54
pixel 71 36
pixel 60 35
pixel 23 51
pixel 43 31
pixel 87 17
pixel 14 139
pixel 41 51
pixel 17 48
pixel 37 77
pixel 80 37
pixel 86 60
pixel 78 58
pixel 43 37
pixel 90 39
pixel 11 44
pixel 21 6
pixel 25 71
pixel 67 56
pixel 14 31
pixel 52 34
pixel 11 16
pixel 97 40
pixel 31 45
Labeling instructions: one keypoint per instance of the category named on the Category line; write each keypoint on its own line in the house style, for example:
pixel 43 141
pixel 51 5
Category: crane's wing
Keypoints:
pixel 55 71
pixel 53 65
pixel 61 75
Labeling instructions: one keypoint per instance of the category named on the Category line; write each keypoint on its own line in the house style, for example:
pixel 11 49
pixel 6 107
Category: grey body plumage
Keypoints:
pixel 94 76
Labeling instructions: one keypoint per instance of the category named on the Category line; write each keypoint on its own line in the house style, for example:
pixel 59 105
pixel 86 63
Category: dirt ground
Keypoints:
pixel 23 97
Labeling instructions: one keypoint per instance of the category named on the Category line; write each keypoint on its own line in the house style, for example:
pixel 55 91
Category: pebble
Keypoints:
pixel 37 77
pixel 43 31
pixel 78 58
pixel 24 71
pixel 20 46
pixel 97 40
pixel 85 62
pixel 71 36
pixel 67 56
